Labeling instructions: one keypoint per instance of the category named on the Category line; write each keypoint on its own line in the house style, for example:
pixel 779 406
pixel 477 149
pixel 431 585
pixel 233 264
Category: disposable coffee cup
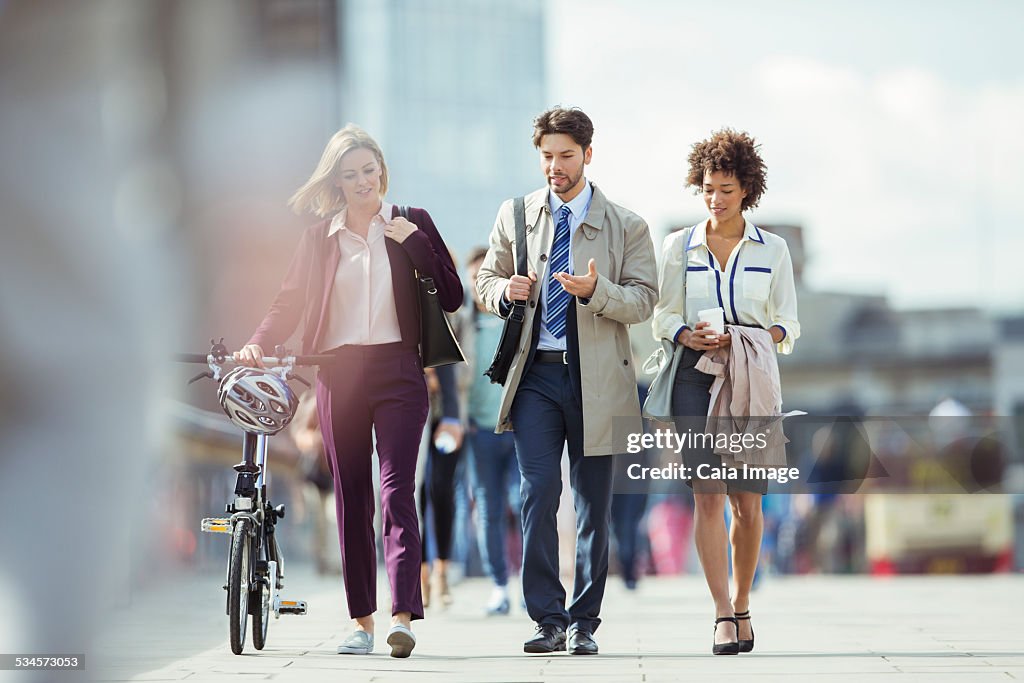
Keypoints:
pixel 715 317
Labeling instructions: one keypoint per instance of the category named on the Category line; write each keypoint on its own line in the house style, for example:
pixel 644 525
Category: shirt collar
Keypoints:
pixel 698 235
pixel 577 206
pixel 338 222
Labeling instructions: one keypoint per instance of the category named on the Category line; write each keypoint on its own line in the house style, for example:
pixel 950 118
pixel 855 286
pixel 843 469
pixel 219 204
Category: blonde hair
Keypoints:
pixel 320 195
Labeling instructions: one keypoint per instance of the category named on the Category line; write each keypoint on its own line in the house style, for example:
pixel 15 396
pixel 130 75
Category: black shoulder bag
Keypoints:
pixel 438 345
pixel 512 333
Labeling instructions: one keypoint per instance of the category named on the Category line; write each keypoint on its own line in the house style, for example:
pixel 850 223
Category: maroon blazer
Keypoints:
pixel 305 292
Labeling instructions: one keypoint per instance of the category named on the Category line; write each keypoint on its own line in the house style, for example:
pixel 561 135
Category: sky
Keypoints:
pixel 892 131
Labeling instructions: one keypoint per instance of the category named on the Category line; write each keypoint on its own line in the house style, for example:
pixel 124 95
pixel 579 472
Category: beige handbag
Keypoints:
pixel 664 361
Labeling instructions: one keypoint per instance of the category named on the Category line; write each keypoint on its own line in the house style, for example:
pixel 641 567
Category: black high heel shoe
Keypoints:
pixel 745 645
pixel 732 648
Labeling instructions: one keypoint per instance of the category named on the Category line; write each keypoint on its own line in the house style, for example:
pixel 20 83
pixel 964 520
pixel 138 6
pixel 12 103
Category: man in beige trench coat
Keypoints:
pixel 592 274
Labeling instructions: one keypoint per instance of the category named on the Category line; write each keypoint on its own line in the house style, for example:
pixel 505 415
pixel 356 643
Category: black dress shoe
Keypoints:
pixel 745 645
pixel 582 642
pixel 729 648
pixel 549 638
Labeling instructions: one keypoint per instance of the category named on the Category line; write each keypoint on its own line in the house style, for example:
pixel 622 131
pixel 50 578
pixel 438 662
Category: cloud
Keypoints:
pixel 902 164
pixel 901 178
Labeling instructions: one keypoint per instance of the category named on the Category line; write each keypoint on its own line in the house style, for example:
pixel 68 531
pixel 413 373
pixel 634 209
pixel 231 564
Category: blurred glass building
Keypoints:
pixel 450 90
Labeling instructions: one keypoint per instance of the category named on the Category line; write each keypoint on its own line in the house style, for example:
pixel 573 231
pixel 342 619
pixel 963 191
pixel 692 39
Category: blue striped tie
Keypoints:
pixel 558 298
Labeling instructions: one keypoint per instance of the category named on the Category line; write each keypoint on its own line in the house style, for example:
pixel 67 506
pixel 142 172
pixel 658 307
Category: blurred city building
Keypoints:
pixel 450 90
pixel 855 349
pixel 255 89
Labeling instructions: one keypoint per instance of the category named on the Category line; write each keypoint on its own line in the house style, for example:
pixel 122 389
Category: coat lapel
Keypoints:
pixel 332 257
pixel 593 222
pixel 539 231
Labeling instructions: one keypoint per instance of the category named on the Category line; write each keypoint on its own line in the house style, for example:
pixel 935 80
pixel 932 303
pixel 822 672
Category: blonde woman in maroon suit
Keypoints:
pixel 352 285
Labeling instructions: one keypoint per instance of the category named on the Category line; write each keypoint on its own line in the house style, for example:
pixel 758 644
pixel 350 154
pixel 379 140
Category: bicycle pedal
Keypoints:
pixel 217 525
pixel 292 607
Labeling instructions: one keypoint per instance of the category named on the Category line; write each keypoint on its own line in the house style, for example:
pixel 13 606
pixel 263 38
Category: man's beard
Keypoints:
pixel 573 182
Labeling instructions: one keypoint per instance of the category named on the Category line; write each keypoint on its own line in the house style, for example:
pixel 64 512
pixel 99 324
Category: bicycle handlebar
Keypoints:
pixel 269 361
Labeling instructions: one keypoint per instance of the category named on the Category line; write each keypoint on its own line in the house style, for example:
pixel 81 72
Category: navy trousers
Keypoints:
pixel 546 414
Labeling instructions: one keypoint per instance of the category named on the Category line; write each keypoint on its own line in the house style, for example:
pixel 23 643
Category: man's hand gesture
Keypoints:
pixel 580 286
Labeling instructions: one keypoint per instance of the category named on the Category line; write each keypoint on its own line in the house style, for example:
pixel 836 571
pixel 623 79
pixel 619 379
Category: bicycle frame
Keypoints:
pixel 264 568
pixel 251 501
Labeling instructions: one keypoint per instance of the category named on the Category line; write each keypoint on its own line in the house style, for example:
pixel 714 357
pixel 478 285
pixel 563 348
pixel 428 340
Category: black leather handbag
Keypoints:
pixel 512 333
pixel 438 345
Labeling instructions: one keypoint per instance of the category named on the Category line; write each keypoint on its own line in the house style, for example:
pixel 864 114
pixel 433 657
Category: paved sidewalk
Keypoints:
pixel 807 628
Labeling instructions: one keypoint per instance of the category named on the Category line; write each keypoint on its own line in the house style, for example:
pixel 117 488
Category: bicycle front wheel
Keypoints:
pixel 259 599
pixel 238 584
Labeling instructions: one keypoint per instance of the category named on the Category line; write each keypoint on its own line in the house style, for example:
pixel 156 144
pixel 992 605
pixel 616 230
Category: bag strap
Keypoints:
pixel 522 265
pixel 686 267
pixel 519 211
pixel 403 211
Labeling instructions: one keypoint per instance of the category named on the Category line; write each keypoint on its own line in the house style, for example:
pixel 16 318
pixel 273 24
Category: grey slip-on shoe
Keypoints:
pixel 359 643
pixel 401 640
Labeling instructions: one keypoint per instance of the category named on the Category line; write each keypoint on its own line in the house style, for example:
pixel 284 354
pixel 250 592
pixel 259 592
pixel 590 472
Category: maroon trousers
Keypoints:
pixel 379 388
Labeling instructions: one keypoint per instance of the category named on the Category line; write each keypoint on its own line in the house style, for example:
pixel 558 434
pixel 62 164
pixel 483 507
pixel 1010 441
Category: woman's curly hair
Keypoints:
pixel 731 153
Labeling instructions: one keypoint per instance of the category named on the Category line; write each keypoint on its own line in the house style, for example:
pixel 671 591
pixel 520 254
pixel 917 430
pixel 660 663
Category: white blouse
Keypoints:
pixel 756 287
pixel 362 307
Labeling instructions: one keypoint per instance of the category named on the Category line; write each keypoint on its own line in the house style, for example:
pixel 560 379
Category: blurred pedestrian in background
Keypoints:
pixel 318 483
pixel 627 511
pixel 495 472
pixel 437 490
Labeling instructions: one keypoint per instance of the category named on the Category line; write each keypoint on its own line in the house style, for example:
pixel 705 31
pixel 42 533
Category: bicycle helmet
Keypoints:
pixel 256 400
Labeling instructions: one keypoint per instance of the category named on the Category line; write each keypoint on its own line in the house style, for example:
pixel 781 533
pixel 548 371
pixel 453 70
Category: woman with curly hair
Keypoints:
pixel 726 262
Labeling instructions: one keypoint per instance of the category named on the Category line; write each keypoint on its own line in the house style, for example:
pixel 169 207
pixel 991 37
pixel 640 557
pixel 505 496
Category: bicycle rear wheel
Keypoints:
pixel 238 584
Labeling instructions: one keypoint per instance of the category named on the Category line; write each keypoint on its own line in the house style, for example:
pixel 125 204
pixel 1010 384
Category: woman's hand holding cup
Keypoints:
pixel 701 338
